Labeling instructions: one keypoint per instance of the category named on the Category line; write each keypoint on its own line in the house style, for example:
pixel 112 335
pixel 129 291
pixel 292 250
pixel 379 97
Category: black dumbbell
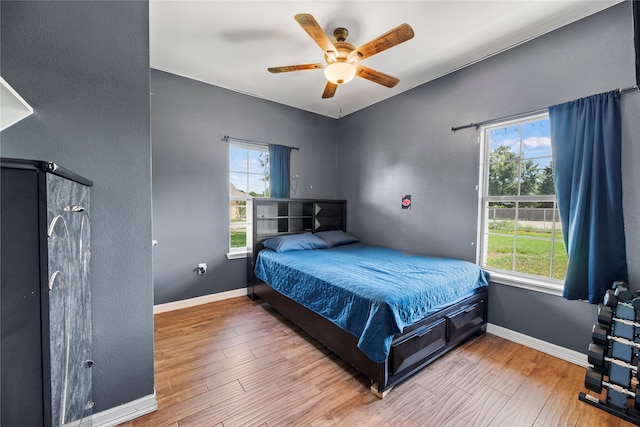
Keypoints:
pixel 621 289
pixel 613 301
pixel 594 381
pixel 625 310
pixel 596 357
pixel 606 317
pixel 623 327
pixel 610 299
pixel 620 294
pixel 621 348
pixel 600 335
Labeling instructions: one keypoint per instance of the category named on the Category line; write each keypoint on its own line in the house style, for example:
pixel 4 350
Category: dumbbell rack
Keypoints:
pixel 614 355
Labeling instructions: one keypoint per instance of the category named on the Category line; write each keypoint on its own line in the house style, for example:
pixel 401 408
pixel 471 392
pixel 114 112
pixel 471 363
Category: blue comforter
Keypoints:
pixel 369 291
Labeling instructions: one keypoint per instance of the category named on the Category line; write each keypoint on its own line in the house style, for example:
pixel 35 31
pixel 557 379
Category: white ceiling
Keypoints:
pixel 232 43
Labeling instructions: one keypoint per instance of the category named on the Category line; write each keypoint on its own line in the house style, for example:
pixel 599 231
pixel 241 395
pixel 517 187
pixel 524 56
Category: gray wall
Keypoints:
pixel 84 68
pixel 405 145
pixel 190 176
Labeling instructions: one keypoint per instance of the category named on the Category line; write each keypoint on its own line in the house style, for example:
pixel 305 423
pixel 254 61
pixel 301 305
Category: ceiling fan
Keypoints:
pixel 343 59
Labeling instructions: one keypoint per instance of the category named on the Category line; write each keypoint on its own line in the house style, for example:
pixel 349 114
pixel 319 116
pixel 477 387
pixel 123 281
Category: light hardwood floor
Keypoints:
pixel 239 363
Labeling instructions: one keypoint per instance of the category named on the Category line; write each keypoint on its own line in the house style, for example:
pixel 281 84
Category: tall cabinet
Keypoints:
pixel 45 295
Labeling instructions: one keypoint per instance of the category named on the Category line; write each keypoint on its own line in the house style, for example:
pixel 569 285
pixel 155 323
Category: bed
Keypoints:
pixel 387 313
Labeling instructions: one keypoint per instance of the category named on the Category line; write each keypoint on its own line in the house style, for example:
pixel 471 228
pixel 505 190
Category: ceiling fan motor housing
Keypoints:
pixel 340 34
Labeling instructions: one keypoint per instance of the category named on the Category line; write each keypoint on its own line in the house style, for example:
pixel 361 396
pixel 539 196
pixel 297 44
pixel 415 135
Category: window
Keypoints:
pixel 520 226
pixel 248 178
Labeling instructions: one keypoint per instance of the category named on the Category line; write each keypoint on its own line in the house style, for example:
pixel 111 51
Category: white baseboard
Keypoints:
pixel 563 353
pixel 127 412
pixel 192 302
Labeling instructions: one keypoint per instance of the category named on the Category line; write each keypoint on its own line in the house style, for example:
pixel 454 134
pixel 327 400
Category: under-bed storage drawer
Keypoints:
pixel 466 318
pixel 417 344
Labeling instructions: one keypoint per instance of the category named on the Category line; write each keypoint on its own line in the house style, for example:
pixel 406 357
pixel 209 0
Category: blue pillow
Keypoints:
pixel 295 242
pixel 336 237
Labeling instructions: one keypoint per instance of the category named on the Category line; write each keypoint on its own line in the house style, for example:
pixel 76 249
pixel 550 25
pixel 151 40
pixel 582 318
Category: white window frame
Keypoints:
pixel 521 280
pixel 235 253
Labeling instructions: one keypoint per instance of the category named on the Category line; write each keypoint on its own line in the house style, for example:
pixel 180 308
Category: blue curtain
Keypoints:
pixel 279 168
pixel 586 140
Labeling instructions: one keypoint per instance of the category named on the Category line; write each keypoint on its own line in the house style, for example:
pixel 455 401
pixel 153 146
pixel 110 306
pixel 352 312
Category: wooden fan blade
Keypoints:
pixel 287 68
pixel 376 76
pixel 329 90
pixel 311 26
pixel 400 34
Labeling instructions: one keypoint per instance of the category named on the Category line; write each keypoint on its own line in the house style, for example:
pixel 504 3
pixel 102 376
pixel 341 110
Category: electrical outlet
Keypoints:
pixel 202 268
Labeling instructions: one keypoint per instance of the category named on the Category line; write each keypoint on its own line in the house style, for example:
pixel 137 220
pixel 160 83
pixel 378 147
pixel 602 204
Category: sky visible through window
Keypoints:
pixel 247 169
pixel 536 143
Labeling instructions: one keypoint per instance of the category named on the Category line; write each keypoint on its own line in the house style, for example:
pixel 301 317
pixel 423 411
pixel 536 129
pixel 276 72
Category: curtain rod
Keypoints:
pixel 228 138
pixel 485 122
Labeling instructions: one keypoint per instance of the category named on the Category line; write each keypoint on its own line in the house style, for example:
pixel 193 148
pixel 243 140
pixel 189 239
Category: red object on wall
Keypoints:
pixel 406 201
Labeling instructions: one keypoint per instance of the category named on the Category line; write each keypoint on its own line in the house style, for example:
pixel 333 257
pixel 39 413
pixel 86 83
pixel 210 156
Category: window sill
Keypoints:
pixel 236 255
pixel 526 283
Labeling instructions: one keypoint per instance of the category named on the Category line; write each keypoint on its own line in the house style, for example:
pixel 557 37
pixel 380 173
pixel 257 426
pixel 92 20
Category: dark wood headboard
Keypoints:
pixel 274 217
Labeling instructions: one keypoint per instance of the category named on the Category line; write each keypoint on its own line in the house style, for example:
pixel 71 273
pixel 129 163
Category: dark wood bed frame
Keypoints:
pixel 413 349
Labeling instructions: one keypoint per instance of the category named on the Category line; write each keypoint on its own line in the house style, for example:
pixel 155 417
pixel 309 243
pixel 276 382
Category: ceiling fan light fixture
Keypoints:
pixel 340 72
